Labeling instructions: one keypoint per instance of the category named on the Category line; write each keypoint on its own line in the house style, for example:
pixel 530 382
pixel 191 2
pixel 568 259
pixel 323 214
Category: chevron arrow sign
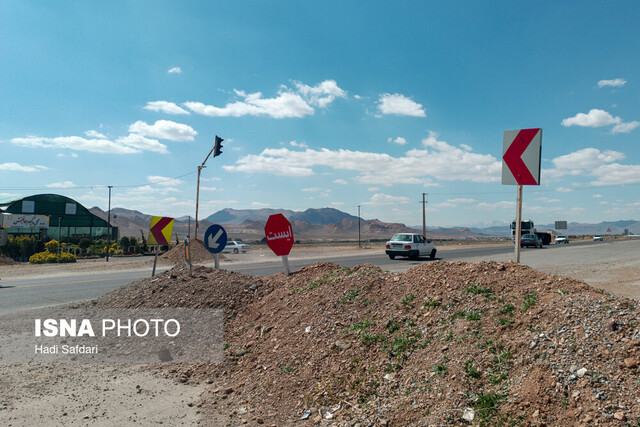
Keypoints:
pixel 160 230
pixel 521 156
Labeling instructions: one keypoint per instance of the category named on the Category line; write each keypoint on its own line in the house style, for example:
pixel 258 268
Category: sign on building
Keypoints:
pixel 25 221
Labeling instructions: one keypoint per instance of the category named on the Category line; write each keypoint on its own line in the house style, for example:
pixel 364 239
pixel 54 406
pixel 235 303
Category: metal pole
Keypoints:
pixel 109 224
pixel 518 224
pixel 197 200
pixel 359 245
pixel 424 215
pixel 198 188
pixel 285 263
pixel 59 221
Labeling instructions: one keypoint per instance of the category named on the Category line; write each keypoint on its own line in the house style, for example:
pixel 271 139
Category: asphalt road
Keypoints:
pixel 29 293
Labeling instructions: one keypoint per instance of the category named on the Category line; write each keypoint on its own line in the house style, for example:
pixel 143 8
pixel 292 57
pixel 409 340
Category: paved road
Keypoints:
pixel 29 293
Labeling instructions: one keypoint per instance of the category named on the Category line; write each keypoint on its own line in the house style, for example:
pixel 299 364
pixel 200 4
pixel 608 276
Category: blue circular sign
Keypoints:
pixel 215 239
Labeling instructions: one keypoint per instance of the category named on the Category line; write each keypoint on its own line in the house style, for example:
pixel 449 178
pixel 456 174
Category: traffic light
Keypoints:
pixel 217 146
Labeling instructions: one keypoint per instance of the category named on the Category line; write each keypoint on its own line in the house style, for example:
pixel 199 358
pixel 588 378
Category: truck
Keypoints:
pixel 527 227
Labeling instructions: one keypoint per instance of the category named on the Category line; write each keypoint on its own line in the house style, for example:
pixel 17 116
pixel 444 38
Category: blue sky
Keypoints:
pixel 322 104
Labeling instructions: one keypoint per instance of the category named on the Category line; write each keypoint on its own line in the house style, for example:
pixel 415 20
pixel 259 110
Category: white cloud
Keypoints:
pixel 625 127
pixel 563 190
pixel 72 155
pixel 312 189
pixel 594 118
pixel 548 200
pixel 340 181
pixel 504 205
pixel 260 205
pixel 400 105
pixel 16 167
pixel 61 185
pixel 95 134
pixel 612 83
pixel 322 94
pixel 175 70
pixel 298 144
pixel 162 180
pixel 165 107
pixel 445 162
pixel 381 199
pixel 287 104
pixel 597 196
pixel 399 140
pixel 210 189
pixel 164 129
pixel 142 143
pixel 585 160
pixel 77 143
pixel 373 189
pixel 616 174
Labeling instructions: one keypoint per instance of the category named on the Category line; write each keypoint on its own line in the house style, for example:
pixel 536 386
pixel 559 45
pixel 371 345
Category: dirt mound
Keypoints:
pixel 478 343
pixel 444 342
pixel 199 253
pixel 5 260
pixel 207 288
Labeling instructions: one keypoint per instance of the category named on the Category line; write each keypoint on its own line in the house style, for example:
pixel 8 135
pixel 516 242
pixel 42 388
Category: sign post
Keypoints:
pixel 159 235
pixel 215 240
pixel 187 254
pixel 521 158
pixel 279 235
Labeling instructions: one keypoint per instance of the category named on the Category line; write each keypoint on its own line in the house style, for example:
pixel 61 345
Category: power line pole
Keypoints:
pixel 424 215
pixel 359 226
pixel 109 224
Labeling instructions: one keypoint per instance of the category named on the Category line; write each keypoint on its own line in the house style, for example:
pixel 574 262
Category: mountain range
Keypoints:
pixel 329 224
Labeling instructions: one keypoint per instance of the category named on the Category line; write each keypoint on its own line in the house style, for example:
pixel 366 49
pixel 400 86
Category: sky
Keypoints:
pixel 323 104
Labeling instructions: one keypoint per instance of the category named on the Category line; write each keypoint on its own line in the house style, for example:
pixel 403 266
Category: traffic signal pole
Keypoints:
pixel 216 147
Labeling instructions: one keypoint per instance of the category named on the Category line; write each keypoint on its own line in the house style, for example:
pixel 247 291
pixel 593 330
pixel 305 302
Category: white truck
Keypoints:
pixel 527 227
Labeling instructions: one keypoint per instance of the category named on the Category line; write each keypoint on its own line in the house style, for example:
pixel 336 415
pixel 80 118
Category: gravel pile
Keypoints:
pixel 199 253
pixel 5 260
pixel 477 343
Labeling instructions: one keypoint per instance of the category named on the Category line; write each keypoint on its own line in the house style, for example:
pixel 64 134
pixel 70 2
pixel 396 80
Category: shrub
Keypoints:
pixel 48 257
pixel 52 245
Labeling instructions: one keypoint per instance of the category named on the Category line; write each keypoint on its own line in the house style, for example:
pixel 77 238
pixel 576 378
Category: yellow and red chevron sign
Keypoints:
pixel 160 230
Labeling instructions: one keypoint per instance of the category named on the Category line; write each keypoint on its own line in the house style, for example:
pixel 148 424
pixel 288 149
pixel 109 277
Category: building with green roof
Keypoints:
pixel 55 216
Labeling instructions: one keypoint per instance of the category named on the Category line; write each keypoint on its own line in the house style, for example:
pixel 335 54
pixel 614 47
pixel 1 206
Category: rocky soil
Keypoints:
pixel 443 343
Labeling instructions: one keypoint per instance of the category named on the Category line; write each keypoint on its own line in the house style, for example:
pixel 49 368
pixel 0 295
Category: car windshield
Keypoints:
pixel 528 236
pixel 402 237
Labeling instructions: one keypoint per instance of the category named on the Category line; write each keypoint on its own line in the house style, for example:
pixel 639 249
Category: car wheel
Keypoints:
pixel 235 251
pixel 433 254
pixel 415 256
pixel 392 257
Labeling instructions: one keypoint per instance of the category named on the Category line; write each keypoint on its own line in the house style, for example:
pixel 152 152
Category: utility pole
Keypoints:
pixel 359 227
pixel 216 147
pixel 109 224
pixel 424 215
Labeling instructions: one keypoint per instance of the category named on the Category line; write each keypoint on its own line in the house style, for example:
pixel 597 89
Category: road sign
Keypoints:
pixel 160 230
pixel 561 225
pixel 215 239
pixel 279 234
pixel 521 156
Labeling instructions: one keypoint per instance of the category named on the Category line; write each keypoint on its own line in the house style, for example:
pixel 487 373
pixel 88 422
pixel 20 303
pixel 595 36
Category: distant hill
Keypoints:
pixel 329 224
pixel 324 216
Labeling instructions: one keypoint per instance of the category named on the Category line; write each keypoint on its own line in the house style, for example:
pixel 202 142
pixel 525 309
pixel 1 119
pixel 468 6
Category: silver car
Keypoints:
pixel 410 245
pixel 235 247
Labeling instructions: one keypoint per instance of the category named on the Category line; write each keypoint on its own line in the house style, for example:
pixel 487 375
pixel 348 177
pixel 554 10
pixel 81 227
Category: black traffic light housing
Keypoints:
pixel 217 146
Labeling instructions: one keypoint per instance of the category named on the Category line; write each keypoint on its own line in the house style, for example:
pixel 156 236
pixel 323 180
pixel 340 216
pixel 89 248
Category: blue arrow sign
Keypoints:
pixel 215 239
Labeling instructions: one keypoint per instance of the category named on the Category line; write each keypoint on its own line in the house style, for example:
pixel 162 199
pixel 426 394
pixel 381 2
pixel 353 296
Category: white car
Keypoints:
pixel 597 237
pixel 562 239
pixel 410 245
pixel 235 247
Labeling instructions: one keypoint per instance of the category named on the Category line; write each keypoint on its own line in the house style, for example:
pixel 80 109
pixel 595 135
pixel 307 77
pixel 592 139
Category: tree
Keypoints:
pixel 125 243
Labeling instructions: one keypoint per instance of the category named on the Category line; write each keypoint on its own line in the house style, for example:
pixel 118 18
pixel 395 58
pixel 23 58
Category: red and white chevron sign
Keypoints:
pixel 521 156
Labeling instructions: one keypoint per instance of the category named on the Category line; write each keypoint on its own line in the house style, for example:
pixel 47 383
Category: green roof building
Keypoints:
pixel 68 220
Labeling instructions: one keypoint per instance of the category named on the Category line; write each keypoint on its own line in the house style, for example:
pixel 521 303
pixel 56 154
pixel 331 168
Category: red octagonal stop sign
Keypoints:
pixel 279 234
